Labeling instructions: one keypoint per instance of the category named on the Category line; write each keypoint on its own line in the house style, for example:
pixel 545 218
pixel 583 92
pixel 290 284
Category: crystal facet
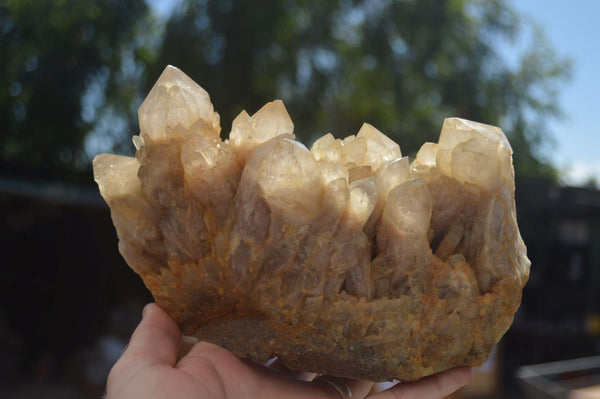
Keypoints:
pixel 345 259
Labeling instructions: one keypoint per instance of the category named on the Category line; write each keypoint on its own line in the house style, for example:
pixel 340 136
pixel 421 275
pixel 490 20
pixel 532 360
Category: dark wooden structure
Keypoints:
pixel 62 275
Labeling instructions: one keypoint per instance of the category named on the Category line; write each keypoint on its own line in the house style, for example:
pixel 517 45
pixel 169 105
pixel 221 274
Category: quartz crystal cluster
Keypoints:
pixel 344 259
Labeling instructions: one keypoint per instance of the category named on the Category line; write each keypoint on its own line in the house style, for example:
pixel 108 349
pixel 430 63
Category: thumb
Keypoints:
pixel 156 340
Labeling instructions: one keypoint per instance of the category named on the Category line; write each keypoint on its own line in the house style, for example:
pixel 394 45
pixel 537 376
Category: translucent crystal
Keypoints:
pixel 328 149
pixel 175 101
pixel 379 148
pixel 288 178
pixel 270 121
pixel 345 259
pixel 473 153
pixel 116 175
pixel 426 156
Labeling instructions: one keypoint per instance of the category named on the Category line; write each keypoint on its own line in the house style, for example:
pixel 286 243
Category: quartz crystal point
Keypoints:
pixel 343 259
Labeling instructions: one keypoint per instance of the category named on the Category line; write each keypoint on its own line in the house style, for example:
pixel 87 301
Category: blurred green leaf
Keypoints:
pixel 403 66
pixel 54 52
pixel 73 72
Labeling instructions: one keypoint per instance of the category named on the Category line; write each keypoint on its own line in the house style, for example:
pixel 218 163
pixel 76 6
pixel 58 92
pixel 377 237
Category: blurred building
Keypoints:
pixel 66 291
pixel 64 288
pixel 559 318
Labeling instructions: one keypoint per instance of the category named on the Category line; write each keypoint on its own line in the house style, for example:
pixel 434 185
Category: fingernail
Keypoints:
pixel 146 310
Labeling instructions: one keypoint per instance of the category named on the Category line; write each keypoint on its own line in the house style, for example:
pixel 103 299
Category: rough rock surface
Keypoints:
pixel 344 259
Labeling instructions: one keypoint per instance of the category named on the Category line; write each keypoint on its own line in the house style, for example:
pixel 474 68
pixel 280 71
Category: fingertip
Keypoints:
pixel 157 337
pixel 457 376
pixel 434 386
pixel 153 309
pixel 148 308
pixel 152 313
pixel 464 374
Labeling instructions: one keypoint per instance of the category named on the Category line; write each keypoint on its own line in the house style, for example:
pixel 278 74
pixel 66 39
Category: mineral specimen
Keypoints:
pixel 345 259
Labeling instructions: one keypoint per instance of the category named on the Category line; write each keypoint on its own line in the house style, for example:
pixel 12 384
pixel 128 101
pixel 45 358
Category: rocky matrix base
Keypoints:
pixel 346 259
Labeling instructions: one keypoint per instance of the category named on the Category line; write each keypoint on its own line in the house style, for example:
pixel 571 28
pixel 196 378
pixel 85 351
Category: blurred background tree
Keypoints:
pixel 73 73
pixel 402 66
pixel 61 61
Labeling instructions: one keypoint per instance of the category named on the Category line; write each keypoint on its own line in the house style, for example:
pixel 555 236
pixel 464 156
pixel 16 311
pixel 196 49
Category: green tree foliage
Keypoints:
pixel 57 60
pixel 401 65
pixel 71 71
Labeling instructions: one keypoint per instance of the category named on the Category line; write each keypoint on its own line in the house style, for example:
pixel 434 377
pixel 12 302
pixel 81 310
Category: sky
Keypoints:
pixel 572 29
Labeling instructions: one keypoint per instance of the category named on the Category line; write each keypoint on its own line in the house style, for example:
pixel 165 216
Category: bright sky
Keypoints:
pixel 572 29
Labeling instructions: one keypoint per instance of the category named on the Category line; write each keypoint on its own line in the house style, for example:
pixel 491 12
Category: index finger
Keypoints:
pixel 433 387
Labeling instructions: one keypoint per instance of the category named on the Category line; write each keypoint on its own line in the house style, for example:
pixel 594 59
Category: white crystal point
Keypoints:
pixel 362 154
pixel 354 150
pixel 270 121
pixel 328 149
pixel 175 102
pixel 379 147
pixel 116 175
pixel 474 153
pixel 390 175
pixel 117 178
pixel 242 137
pixel 426 156
pixel 288 178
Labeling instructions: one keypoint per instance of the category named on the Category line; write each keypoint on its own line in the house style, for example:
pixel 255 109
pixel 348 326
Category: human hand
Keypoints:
pixel 149 368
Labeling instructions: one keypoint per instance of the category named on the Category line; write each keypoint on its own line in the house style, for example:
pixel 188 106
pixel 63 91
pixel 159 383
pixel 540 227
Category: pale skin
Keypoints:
pixel 149 368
